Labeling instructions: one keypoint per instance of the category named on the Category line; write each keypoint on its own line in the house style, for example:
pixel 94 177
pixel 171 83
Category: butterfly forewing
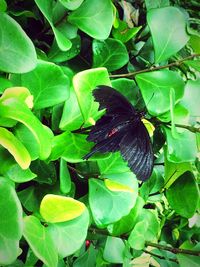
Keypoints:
pixel 112 101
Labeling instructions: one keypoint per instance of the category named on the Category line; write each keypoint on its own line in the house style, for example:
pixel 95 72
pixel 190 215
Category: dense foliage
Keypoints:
pixel 57 209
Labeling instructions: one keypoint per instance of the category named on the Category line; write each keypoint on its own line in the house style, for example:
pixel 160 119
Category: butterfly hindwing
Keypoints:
pixel 136 149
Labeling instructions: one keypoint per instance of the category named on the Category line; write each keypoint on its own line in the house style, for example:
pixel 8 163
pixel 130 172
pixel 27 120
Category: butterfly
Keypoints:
pixel 121 129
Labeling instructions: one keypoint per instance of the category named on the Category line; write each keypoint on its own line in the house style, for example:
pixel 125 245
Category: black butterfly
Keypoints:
pixel 121 129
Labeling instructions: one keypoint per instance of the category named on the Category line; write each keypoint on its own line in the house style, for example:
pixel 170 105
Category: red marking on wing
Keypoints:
pixel 112 132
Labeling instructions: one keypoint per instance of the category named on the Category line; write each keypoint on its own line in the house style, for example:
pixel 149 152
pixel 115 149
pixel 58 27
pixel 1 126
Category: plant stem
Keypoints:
pixel 176 63
pixel 173 250
pixel 159 256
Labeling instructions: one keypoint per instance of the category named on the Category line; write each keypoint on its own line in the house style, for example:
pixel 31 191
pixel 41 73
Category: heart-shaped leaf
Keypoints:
pixel 100 18
pixel 10 223
pixel 43 247
pixel 56 208
pixel 168 29
pixel 17 53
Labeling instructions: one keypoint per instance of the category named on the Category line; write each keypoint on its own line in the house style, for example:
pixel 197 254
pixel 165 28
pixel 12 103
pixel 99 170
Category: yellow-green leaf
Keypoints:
pixel 115 186
pixel 15 147
pixel 55 208
pixel 22 93
pixel 149 126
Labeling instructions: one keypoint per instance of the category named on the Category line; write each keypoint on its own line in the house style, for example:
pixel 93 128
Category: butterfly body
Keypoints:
pixel 121 129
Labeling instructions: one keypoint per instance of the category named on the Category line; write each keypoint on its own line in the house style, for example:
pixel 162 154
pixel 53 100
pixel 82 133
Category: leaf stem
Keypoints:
pixel 175 63
pixel 173 250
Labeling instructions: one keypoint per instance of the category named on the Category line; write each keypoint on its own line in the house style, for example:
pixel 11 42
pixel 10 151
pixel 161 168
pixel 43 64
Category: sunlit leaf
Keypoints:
pixel 17 53
pixel 56 208
pixel 11 223
pixel 168 29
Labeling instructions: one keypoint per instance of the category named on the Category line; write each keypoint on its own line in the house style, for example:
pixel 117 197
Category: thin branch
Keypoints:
pixel 174 250
pixel 189 128
pixel 87 176
pixel 159 256
pixel 147 243
pixel 176 63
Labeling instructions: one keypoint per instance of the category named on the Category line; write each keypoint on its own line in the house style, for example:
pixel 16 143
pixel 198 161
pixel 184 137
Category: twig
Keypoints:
pixel 159 256
pixel 189 128
pixel 173 250
pixel 176 63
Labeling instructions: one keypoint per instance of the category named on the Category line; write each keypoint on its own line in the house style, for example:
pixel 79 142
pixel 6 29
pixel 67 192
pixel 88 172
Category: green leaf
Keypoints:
pixel 65 179
pixel 195 64
pixel 57 56
pixel 16 110
pixel 47 7
pixel 172 106
pixel 155 88
pixel 46 172
pixel 127 87
pixel 181 149
pixel 28 140
pixel 18 175
pixel 3 5
pixel 71 4
pixel 126 223
pixel 116 204
pixel 188 260
pixel 174 170
pixel 10 223
pixel 153 185
pixel 46 89
pixel 29 198
pixel 40 241
pixel 114 250
pixel 15 147
pixel 146 229
pixel 113 164
pixel 54 208
pixel 110 53
pixel 123 33
pixel 168 30
pixel 87 259
pixel 153 229
pixel 156 3
pixel 71 147
pixel 4 84
pixel 72 118
pixel 192 93
pixel 96 22
pixel 137 237
pixel 69 236
pixel 17 53
pixel 183 195
pixel 84 82
pixel 195 43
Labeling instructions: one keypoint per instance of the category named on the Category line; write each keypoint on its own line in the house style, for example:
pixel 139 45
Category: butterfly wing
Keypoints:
pixel 136 149
pixel 107 134
pixel 113 101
